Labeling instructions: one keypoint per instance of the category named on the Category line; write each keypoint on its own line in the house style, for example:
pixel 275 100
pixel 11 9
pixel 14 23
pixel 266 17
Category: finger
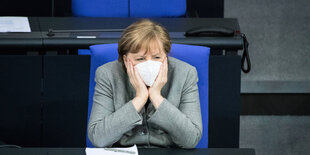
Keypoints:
pixel 131 70
pixel 131 67
pixel 165 71
pixel 127 65
pixel 137 75
pixel 164 68
pixel 160 74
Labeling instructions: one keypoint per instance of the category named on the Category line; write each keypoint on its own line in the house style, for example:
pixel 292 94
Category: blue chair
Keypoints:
pixel 157 8
pixel 129 8
pixel 197 56
pixel 100 8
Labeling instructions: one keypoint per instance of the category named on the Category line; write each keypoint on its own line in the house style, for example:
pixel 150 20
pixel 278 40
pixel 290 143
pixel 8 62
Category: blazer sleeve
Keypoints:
pixel 106 125
pixel 182 123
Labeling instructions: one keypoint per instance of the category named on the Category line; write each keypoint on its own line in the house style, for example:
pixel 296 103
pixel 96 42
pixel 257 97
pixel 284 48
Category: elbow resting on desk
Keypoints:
pixel 192 139
pixel 98 140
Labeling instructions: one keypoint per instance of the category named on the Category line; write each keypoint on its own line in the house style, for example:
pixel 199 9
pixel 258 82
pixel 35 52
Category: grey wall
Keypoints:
pixel 276 135
pixel 279 36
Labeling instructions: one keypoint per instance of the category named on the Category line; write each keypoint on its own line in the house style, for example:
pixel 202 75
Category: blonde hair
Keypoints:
pixel 140 35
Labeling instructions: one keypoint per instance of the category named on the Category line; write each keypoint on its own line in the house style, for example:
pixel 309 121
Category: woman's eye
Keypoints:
pixel 157 57
pixel 139 59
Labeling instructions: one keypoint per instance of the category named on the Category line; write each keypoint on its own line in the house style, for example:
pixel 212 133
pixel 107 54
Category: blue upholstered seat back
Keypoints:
pixel 129 8
pixel 157 8
pixel 197 56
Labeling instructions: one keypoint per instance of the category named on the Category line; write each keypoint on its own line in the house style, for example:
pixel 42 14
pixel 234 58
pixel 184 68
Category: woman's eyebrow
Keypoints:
pixel 139 55
pixel 158 53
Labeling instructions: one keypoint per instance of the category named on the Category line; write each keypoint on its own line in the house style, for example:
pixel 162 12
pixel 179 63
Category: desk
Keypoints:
pixel 38 39
pixel 57 83
pixel 144 151
pixel 176 27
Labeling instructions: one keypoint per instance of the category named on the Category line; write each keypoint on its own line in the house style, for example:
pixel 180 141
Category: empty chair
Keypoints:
pixel 129 8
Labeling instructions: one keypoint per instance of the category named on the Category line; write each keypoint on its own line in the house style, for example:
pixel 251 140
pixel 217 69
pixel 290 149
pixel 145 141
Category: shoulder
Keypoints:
pixel 180 67
pixel 110 69
pixel 181 76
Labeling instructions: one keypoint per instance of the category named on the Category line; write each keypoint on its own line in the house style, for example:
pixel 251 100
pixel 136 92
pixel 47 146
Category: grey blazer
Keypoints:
pixel 115 121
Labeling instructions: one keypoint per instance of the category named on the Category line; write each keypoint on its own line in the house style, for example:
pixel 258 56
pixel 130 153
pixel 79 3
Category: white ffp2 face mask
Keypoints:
pixel 148 71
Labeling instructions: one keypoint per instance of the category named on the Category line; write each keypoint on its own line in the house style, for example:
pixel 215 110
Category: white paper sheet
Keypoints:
pixel 112 151
pixel 14 24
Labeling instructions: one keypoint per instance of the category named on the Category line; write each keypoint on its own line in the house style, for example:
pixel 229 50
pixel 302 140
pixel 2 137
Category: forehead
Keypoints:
pixel 153 47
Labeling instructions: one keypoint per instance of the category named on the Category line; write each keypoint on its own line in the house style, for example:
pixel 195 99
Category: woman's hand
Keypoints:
pixel 137 82
pixel 161 80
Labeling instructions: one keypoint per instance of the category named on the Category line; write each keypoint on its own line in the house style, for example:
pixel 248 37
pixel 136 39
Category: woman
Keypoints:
pixel 145 98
